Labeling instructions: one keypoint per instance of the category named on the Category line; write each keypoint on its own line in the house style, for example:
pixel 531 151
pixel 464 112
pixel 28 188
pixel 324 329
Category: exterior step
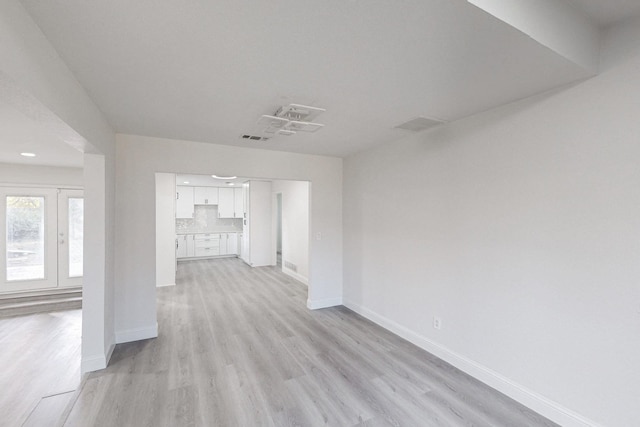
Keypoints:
pixel 18 304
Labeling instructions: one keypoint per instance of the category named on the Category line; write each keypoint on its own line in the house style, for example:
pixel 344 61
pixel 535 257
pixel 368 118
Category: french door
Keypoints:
pixel 41 241
pixel 70 237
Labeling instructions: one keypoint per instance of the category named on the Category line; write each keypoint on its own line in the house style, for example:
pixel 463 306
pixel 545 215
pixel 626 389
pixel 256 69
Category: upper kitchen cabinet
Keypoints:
pixel 226 203
pixel 206 195
pixel 184 202
pixel 238 202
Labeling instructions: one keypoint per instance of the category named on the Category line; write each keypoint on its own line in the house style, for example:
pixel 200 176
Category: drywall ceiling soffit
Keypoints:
pixel 553 24
pixel 208 71
pixel 609 12
pixel 28 126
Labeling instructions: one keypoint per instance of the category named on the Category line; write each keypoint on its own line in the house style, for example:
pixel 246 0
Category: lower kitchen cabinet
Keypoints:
pixel 184 246
pixel 232 243
pixel 228 243
pixel 206 245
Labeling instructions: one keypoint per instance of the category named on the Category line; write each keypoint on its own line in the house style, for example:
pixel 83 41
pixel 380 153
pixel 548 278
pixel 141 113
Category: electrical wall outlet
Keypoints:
pixel 437 322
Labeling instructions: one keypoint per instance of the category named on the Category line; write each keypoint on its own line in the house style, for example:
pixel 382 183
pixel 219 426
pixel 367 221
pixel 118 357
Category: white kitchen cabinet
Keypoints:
pixel 232 243
pixel 206 195
pixel 226 202
pixel 224 243
pixel 238 202
pixel 184 202
pixel 185 246
pixel 207 244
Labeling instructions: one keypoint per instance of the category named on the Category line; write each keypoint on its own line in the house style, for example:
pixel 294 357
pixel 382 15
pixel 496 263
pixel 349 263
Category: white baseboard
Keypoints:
pixel 93 363
pixel 542 405
pixel 137 334
pixel 165 285
pixel 97 362
pixel 110 351
pixel 298 277
pixel 323 303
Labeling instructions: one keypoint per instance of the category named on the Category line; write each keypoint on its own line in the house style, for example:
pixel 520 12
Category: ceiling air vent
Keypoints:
pixel 289 120
pixel 419 124
pixel 254 137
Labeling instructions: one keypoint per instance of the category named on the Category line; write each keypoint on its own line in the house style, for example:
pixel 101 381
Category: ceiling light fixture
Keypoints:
pixel 230 183
pixel 186 182
pixel 223 177
pixel 290 119
pixel 28 154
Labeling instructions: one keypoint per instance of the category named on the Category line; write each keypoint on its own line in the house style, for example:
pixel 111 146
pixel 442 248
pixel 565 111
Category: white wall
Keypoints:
pixel 165 229
pixel 295 226
pixel 40 175
pixel 34 79
pixel 260 222
pixel 520 228
pixel 139 158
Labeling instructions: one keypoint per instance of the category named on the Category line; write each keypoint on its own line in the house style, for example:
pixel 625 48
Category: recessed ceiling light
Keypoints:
pixel 28 154
pixel 230 183
pixel 186 182
pixel 223 177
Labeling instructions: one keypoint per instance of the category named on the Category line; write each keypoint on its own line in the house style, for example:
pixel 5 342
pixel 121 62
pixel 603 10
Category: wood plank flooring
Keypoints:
pixel 40 359
pixel 238 347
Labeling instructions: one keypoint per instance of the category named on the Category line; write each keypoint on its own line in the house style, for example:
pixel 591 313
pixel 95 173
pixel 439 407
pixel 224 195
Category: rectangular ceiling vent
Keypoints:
pixel 419 124
pixel 254 137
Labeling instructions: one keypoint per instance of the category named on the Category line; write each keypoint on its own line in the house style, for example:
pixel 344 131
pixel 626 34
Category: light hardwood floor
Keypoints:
pixel 238 347
pixel 40 360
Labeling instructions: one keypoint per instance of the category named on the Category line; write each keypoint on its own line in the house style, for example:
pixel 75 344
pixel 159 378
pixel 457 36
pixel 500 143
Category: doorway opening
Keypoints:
pixel 263 222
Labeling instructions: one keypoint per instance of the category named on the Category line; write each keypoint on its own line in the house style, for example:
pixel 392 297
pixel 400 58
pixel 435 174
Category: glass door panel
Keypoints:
pixel 76 228
pixel 27 240
pixel 70 237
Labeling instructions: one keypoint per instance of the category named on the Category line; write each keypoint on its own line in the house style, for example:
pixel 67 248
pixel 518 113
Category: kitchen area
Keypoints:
pixel 205 217
pixel 209 220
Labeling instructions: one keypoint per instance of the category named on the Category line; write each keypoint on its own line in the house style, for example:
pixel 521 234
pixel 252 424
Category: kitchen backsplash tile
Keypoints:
pixel 205 220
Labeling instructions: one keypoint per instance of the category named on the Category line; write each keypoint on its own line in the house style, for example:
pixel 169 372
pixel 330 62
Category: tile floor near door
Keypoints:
pixel 40 359
pixel 238 347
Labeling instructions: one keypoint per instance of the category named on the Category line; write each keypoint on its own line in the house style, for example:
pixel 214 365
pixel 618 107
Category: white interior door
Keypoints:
pixel 70 237
pixel 28 241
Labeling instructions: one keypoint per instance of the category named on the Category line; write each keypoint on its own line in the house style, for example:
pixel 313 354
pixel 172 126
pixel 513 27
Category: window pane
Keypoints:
pixel 25 238
pixel 76 227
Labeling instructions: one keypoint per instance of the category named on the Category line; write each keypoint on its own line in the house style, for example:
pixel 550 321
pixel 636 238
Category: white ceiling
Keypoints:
pixel 20 133
pixel 206 71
